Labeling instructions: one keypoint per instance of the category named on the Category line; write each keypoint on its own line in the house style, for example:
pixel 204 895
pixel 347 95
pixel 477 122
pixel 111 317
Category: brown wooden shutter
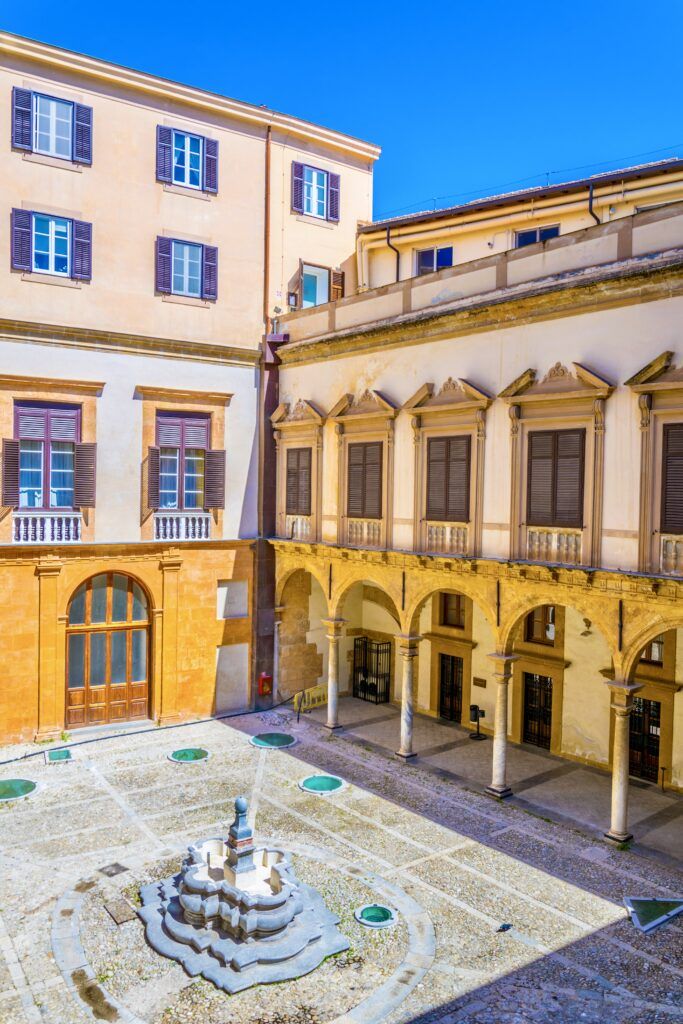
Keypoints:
pixel 437 452
pixel 304 499
pixel 672 479
pixel 10 472
pixel 295 288
pixel 153 477
pixel 214 479
pixel 569 478
pixel 356 481
pixel 298 484
pixel 336 285
pixel 85 460
pixel 540 478
pixel 458 483
pixel 373 480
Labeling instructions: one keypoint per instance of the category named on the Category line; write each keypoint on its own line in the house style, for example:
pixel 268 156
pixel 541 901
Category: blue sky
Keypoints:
pixel 466 99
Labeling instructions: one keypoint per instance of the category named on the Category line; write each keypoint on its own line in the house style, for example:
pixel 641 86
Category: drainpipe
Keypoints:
pixel 398 255
pixel 590 205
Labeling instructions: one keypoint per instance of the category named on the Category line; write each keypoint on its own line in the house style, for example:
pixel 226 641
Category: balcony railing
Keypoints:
pixel 182 526
pixel 298 527
pixel 364 533
pixel 446 538
pixel 29 527
pixel 671 555
pixel 554 545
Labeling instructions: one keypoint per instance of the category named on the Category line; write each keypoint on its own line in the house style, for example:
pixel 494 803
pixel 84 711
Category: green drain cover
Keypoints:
pixel 14 789
pixel 58 755
pixel 272 739
pixel 321 784
pixel 374 915
pixel 188 755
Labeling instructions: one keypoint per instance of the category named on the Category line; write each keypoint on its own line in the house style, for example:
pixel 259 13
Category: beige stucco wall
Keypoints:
pixel 586 697
pixel 614 342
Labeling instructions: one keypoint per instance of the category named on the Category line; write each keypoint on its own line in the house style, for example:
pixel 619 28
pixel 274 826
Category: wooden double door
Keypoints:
pixel 644 732
pixel 450 687
pixel 107 652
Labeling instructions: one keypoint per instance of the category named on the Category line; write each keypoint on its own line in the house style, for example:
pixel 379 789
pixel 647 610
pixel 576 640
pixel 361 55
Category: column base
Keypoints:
pixel 48 735
pixel 404 757
pixel 170 719
pixel 500 792
pixel 333 728
pixel 617 838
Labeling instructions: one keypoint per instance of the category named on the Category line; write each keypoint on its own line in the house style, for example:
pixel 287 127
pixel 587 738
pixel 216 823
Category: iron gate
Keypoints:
pixel 538 706
pixel 644 727
pixel 450 687
pixel 372 669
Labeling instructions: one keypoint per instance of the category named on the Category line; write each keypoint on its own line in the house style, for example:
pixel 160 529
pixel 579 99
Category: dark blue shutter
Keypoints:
pixel 82 145
pixel 81 250
pixel 210 272
pixel 22 118
pixel 210 165
pixel 333 197
pixel 164 153
pixel 162 264
pixel 21 240
pixel 297 187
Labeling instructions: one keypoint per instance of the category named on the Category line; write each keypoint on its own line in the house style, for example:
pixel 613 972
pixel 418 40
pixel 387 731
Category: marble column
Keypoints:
pixel 334 632
pixel 502 673
pixel 277 622
pixel 621 704
pixel 408 646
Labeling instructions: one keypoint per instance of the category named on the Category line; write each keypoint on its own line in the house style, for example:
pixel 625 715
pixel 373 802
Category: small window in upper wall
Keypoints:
pixel 315 286
pixel 187 160
pixel 453 610
pixel 51 126
pixel 315 192
pixel 51 245
pixel 533 235
pixel 43 244
pixel 429 260
pixel 187 269
pixel 540 625
pixel 653 654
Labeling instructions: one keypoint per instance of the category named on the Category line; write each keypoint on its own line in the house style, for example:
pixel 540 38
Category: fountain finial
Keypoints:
pixel 240 839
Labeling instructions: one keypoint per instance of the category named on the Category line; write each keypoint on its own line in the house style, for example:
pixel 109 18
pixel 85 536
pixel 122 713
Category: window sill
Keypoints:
pixel 191 193
pixel 187 300
pixel 52 279
pixel 318 221
pixel 53 161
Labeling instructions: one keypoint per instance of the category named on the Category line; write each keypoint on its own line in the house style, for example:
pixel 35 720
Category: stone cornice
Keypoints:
pixel 588 289
pixel 161 89
pixel 51 384
pixel 611 583
pixel 130 344
pixel 182 394
pixel 135 551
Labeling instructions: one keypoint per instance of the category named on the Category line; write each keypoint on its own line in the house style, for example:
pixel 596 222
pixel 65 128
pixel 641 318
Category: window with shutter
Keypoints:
pixel 298 482
pixel 183 472
pixel 448 479
pixel 555 472
pixel 672 479
pixel 48 440
pixel 364 484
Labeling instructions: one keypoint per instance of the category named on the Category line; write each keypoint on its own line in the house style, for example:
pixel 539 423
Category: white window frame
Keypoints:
pixel 54 471
pixel 186 262
pixel 314 179
pixel 40 469
pixel 168 452
pixel 319 273
pixel 51 255
pixel 542 227
pixel 434 249
pixel 52 150
pixel 186 183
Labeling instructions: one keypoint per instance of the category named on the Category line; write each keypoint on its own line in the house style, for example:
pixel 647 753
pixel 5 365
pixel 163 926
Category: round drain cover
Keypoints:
pixel 14 789
pixel 374 915
pixel 272 739
pixel 188 755
pixel 321 784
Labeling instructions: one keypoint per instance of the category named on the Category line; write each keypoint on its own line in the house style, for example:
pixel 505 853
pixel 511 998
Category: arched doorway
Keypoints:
pixel 107 652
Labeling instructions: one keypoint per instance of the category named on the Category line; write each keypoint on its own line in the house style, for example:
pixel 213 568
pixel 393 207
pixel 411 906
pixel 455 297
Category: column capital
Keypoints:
pixel 407 644
pixel 277 613
pixel 334 627
pixel 503 665
pixel 621 693
pixel 49 567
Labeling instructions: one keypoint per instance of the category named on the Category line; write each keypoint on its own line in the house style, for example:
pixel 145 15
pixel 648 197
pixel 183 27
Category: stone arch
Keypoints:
pixel 368 578
pixel 509 630
pixel 631 656
pixel 433 587
pixel 75 586
pixel 287 574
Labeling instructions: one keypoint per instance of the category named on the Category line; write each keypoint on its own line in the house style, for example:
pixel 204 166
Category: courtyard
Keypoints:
pixel 456 866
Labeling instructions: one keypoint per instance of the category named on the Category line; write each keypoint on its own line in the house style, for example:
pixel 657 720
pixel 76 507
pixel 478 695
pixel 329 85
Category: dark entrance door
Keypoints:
pixel 538 705
pixel 371 669
pixel 450 687
pixel 644 729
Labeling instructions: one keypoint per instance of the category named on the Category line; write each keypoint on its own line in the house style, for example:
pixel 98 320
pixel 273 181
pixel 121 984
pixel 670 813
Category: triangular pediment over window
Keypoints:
pixel 559 383
pixel 660 374
pixel 301 411
pixel 367 403
pixel 453 394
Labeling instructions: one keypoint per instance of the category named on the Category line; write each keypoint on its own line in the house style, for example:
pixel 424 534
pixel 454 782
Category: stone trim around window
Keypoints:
pixel 298 425
pixel 563 399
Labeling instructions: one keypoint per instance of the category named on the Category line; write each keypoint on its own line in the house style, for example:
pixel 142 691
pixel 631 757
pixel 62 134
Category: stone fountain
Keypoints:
pixel 238 916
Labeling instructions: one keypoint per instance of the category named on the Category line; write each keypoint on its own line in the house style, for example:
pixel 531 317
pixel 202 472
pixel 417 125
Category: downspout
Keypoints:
pixel 590 205
pixel 266 237
pixel 398 255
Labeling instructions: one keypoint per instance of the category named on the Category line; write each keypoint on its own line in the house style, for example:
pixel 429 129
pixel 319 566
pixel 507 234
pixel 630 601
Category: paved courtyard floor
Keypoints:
pixel 549 786
pixel 454 863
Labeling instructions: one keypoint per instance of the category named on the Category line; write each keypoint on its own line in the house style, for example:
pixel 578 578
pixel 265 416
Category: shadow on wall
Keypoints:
pixel 248 525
